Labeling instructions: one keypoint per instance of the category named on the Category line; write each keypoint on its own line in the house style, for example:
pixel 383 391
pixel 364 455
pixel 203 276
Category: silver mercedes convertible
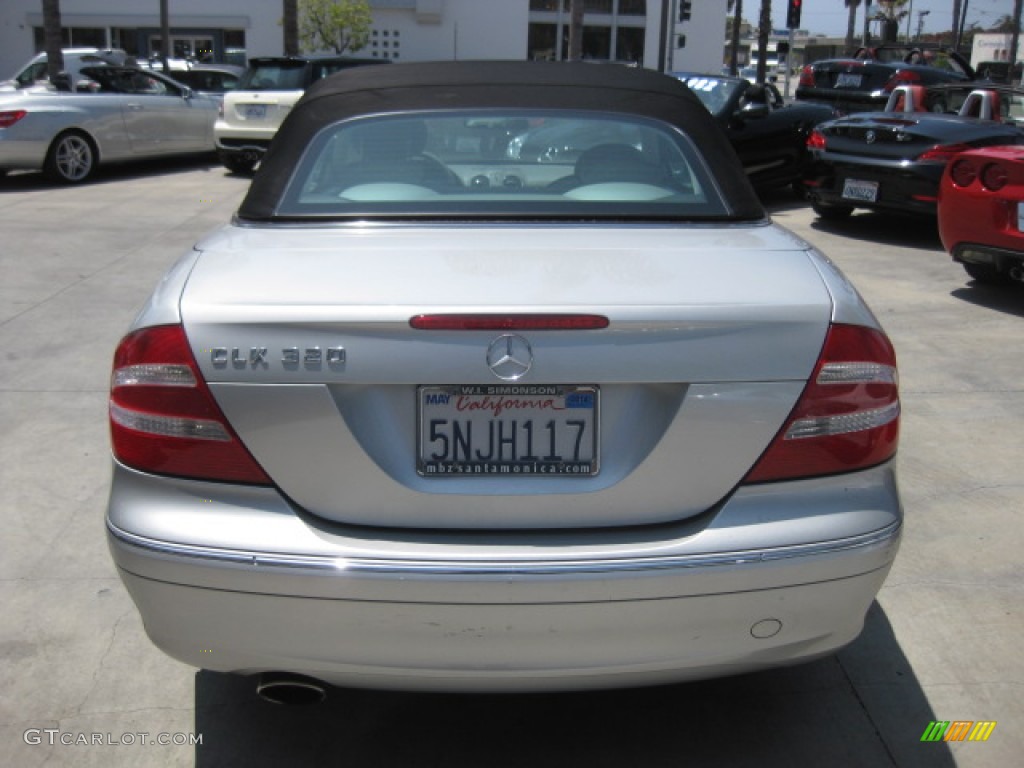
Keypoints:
pixel 428 415
pixel 116 114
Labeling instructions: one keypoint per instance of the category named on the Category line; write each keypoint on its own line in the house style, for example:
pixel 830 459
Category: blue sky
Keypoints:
pixel 829 16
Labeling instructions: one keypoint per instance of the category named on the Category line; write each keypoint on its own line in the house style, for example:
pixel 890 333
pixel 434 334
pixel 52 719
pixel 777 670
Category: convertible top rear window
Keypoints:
pixel 511 163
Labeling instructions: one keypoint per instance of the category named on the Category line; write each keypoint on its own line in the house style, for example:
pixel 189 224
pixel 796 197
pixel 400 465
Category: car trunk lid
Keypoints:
pixel 307 345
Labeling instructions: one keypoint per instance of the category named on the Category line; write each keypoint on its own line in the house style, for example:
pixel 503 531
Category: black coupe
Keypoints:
pixel 893 160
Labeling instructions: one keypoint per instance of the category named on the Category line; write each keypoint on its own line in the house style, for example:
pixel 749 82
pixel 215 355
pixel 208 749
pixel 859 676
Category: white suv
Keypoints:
pixel 252 113
pixel 34 74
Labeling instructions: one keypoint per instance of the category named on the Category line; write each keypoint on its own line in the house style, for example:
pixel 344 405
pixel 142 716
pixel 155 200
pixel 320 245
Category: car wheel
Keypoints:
pixel 986 273
pixel 831 212
pixel 71 159
pixel 242 164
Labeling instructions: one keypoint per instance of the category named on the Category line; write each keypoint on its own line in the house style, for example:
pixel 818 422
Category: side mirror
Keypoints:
pixel 186 92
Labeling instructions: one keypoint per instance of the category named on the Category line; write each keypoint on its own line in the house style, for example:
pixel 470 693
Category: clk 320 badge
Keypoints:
pixel 291 357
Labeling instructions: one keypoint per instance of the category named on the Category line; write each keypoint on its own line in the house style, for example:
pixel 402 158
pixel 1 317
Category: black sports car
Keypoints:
pixel 865 81
pixel 893 161
pixel 769 135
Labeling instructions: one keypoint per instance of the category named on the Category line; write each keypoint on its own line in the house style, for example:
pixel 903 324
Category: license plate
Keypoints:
pixel 508 430
pixel 1020 217
pixel 864 191
pixel 848 80
pixel 254 111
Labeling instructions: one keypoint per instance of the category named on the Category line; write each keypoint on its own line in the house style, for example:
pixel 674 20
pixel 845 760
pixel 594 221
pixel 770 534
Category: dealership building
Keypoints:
pixel 656 34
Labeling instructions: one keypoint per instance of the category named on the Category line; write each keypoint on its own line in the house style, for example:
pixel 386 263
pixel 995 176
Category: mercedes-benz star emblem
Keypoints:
pixel 869 137
pixel 509 357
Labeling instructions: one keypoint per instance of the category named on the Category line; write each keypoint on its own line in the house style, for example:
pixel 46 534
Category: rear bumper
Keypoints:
pixel 1002 259
pixel 593 609
pixel 909 189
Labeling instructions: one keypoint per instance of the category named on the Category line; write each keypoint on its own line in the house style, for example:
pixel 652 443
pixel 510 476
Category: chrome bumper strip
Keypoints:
pixel 879 538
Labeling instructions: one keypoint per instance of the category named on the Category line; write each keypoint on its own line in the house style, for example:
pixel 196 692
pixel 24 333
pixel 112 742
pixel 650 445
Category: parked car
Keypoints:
pixel 864 82
pixel 769 136
pixel 893 160
pixel 35 73
pixel 403 424
pixel 253 111
pixel 211 79
pixel 117 114
pixel 981 213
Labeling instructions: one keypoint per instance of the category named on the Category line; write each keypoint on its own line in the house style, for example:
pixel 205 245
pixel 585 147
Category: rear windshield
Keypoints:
pixel 274 76
pixel 503 164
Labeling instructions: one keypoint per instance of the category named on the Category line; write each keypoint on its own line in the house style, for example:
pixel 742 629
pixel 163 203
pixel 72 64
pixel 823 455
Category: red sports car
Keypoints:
pixel 981 212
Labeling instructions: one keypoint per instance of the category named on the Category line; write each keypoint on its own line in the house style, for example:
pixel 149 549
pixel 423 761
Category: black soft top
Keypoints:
pixel 496 85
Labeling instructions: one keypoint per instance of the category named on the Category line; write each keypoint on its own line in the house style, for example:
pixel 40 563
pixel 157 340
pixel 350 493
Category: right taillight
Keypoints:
pixel 807 76
pixel 847 417
pixel 816 140
pixel 163 418
pixel 994 177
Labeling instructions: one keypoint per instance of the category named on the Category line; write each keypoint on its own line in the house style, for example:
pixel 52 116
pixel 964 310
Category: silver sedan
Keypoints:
pixel 121 113
pixel 427 416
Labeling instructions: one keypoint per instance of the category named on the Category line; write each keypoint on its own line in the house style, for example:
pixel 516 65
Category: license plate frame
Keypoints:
pixel 861 190
pixel 536 430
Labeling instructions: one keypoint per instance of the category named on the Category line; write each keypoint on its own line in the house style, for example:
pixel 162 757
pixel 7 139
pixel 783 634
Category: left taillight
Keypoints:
pixel 847 417
pixel 163 418
pixel 10 117
pixel 816 140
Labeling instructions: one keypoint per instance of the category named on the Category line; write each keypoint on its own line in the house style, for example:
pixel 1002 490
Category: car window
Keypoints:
pixel 713 92
pixel 274 76
pixel 32 73
pixel 548 164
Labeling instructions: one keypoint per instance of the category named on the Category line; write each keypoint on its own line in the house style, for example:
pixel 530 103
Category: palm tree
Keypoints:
pixel 764 28
pixel 851 22
pixel 290 22
pixel 891 13
pixel 734 43
pixel 52 36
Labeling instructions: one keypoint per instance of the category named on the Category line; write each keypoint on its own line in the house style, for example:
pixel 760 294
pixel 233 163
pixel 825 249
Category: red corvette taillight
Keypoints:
pixel 847 417
pixel 10 117
pixel 807 76
pixel 816 140
pixel 963 172
pixel 163 418
pixel 994 177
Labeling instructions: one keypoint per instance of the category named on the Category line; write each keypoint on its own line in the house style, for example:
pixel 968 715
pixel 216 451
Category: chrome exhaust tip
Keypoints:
pixel 290 689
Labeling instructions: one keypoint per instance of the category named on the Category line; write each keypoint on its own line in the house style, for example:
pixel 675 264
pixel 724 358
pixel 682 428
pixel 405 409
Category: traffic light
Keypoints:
pixel 793 13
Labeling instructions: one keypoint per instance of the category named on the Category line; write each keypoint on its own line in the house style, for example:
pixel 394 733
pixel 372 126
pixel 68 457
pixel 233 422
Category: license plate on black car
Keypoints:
pixel 508 430
pixel 864 191
pixel 848 80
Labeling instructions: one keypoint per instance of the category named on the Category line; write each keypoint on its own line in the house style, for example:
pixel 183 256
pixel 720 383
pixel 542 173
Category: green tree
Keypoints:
pixel 337 25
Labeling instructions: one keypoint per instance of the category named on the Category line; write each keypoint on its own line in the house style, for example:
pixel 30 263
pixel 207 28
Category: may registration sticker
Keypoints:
pixel 508 430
